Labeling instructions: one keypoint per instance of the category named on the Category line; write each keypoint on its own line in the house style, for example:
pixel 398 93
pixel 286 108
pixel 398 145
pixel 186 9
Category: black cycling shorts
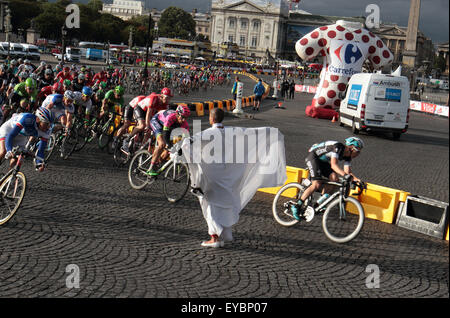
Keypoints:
pixel 318 169
pixel 139 113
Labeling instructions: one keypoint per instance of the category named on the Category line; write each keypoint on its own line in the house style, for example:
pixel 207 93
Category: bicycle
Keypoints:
pixel 176 178
pixel 13 187
pixel 65 142
pixel 343 215
pixel 106 130
pixel 139 141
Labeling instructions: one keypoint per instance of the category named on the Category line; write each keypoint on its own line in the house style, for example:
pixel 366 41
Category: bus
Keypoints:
pixel 90 45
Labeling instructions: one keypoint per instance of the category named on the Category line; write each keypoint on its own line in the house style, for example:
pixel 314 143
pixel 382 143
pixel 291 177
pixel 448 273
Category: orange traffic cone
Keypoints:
pixel 279 104
pixel 334 119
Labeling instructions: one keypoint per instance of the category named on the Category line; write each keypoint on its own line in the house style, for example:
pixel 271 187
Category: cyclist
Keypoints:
pixel 145 109
pixel 15 132
pixel 25 90
pixel 62 107
pixel 112 97
pixel 131 110
pixel 322 162
pixel 83 100
pixel 162 125
pixel 64 75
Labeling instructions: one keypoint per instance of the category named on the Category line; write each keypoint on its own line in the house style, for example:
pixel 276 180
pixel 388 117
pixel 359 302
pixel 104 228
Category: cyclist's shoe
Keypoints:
pixel 153 171
pixel 297 211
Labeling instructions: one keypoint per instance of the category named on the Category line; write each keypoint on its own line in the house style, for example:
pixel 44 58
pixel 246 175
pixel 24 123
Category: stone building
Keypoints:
pixel 125 9
pixel 256 26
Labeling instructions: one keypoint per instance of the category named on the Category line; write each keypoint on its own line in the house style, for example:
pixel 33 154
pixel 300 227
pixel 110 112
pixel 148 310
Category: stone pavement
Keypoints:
pixel 81 213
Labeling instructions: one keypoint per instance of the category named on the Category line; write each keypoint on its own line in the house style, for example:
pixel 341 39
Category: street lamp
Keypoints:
pixel 147 45
pixel 8 26
pixel 63 44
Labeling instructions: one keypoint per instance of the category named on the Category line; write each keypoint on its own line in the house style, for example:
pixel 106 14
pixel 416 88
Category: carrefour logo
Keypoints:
pixel 351 52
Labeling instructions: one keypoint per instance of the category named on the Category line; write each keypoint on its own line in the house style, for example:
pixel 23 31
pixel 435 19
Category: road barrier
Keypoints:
pixel 203 108
pixel 423 107
pixel 382 204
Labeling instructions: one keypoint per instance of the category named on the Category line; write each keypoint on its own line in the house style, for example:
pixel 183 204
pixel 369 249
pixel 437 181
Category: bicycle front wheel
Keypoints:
pixel 139 165
pixel 68 144
pixel 12 191
pixel 343 222
pixel 285 198
pixel 176 182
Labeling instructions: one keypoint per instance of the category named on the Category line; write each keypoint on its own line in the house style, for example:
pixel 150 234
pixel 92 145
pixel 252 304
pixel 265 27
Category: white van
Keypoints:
pixel 376 102
pixel 32 52
pixel 16 50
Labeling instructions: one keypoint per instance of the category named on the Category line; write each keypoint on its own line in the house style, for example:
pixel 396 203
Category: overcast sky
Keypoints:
pixel 434 14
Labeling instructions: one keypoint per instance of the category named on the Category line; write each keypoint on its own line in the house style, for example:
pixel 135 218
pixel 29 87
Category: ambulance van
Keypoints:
pixel 376 102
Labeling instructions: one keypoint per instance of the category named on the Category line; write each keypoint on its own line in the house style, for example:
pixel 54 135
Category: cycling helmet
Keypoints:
pixel 86 91
pixel 183 110
pixel 67 82
pixel 354 141
pixel 48 72
pixel 103 85
pixel 43 63
pixel 69 95
pixel 119 90
pixel 81 77
pixel 23 75
pixel 45 115
pixel 167 92
pixel 30 83
pixel 26 61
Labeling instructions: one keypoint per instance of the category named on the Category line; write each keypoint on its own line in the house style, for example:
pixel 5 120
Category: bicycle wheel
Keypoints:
pixel 12 191
pixel 120 156
pixel 106 134
pixel 343 222
pixel 176 182
pixel 83 135
pixel 68 144
pixel 139 164
pixel 286 197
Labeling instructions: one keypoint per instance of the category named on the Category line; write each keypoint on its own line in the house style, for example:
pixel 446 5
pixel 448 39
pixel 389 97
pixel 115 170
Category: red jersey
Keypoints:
pixel 61 77
pixel 153 102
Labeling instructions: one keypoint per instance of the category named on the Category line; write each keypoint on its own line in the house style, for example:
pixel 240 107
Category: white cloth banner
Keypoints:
pixel 230 165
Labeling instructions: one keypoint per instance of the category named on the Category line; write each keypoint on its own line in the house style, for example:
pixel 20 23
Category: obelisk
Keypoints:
pixel 410 53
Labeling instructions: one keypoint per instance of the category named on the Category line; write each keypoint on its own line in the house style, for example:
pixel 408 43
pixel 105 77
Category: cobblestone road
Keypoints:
pixel 129 243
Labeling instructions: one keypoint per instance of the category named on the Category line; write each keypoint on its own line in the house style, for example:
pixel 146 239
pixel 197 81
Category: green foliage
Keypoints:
pixel 95 26
pixel 176 23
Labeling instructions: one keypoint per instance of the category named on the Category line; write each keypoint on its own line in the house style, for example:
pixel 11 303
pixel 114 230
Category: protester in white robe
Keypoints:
pixel 227 166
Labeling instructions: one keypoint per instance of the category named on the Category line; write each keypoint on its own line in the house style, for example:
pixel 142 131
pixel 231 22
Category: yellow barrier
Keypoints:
pixel 209 105
pixel 293 175
pixel 199 109
pixel 219 103
pixel 447 234
pixel 228 104
pixel 381 203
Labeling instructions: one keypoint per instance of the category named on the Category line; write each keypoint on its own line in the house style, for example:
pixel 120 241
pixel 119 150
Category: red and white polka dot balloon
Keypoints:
pixel 344 48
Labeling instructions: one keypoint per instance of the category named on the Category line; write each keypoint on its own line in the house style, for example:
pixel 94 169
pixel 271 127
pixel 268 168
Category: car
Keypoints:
pixel 113 60
pixel 170 65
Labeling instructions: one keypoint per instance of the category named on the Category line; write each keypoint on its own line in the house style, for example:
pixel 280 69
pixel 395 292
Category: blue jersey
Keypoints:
pixel 56 99
pixel 25 124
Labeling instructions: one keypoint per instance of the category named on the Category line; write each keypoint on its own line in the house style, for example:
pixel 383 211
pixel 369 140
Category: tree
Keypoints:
pixel 176 23
pixel 140 27
pixel 95 5
pixel 20 18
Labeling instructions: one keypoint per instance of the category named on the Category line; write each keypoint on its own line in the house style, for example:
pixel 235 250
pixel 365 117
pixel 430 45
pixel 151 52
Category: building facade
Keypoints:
pixel 257 27
pixel 125 9
pixel 394 37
